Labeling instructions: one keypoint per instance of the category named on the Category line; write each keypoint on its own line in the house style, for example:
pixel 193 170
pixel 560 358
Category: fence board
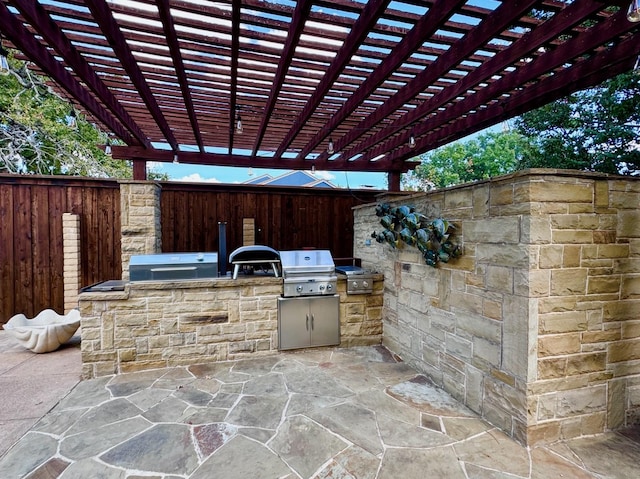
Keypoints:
pixel 31 242
pixel 7 240
pixel 286 218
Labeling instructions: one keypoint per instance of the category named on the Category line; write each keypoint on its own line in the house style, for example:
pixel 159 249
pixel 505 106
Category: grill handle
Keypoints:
pixel 173 268
pixel 312 318
pixel 307 322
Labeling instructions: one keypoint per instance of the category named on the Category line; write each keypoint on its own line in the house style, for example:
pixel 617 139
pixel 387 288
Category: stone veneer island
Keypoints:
pixel 155 324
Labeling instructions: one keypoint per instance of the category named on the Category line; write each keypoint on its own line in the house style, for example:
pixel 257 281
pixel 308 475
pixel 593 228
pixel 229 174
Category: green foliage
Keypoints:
pixel 35 135
pixel 488 155
pixel 593 130
pixel 403 224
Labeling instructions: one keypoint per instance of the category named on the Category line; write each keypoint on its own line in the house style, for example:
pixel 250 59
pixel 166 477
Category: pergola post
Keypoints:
pixel 139 169
pixel 393 180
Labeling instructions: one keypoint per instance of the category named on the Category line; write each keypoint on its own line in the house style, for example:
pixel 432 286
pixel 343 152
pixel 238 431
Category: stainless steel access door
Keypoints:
pixel 308 321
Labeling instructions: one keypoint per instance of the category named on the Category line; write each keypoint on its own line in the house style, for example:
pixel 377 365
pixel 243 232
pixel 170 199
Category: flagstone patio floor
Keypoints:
pixel 317 413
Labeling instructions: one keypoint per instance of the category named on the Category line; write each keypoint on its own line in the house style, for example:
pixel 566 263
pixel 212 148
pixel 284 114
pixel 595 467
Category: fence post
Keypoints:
pixel 71 251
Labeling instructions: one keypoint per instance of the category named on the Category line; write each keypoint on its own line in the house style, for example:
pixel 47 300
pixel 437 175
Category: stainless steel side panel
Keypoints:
pixel 308 321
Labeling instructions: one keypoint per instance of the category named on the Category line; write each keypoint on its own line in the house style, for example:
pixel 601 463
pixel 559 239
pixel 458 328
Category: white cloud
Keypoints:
pixel 325 175
pixel 196 178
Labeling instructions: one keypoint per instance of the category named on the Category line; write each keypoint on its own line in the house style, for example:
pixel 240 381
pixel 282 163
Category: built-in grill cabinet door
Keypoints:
pixel 325 321
pixel 308 321
pixel 293 323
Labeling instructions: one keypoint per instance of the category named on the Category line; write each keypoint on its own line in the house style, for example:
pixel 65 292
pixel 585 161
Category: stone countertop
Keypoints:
pixel 225 282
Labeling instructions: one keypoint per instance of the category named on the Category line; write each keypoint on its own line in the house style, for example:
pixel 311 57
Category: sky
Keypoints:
pixel 221 174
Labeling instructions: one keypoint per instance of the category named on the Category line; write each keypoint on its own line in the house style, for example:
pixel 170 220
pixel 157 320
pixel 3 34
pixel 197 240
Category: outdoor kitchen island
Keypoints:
pixel 155 324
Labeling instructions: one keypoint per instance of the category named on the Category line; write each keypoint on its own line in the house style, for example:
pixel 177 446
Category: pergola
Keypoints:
pixel 350 85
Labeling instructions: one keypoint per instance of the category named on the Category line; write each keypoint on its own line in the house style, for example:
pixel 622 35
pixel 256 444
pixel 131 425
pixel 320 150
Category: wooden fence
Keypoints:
pixel 285 217
pixel 31 250
pixel 31 208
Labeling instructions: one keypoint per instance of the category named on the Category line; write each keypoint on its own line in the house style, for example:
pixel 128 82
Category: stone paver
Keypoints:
pixel 322 413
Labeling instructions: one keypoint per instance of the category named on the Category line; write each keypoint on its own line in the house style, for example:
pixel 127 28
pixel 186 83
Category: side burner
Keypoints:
pixel 359 280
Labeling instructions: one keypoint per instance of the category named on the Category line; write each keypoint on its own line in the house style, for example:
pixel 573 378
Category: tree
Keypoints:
pixel 489 154
pixel 41 133
pixel 593 130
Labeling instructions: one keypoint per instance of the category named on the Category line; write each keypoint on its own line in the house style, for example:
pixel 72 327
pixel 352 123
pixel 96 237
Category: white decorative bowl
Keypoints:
pixel 46 332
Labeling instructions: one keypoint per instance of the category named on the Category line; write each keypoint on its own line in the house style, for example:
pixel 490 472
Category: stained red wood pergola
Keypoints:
pixel 171 78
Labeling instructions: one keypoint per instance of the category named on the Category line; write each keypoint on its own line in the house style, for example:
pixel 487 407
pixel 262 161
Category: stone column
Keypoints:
pixel 140 220
pixel 71 252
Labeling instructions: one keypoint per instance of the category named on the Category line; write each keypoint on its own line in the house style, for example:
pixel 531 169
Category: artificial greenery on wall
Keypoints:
pixel 402 224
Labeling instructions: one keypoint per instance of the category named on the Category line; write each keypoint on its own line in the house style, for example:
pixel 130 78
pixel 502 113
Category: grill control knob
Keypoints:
pixel 321 287
pixel 355 285
pixel 299 288
pixel 365 284
pixel 329 287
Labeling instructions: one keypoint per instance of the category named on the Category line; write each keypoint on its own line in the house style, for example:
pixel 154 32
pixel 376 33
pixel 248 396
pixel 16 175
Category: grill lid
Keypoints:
pixel 307 262
pixel 254 253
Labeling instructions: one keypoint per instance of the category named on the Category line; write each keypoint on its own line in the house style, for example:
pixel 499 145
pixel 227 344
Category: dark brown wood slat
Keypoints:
pixel 38 17
pixel 102 15
pixel 597 35
pixel 22 247
pixel 423 29
pixel 56 246
pixel 370 14
pixel 40 245
pixel 7 258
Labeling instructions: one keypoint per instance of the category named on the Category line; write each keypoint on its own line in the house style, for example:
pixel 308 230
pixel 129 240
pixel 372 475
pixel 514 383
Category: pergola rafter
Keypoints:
pixel 532 72
pixel 171 77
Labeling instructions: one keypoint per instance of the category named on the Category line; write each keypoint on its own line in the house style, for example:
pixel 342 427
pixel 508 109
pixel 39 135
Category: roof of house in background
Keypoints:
pixel 292 178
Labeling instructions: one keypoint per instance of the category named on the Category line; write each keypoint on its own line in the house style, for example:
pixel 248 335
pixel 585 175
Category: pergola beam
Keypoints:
pixel 428 24
pixel 303 7
pixel 103 16
pixel 24 40
pixel 358 33
pixel 235 160
pixel 546 62
pixel 172 41
pixel 233 86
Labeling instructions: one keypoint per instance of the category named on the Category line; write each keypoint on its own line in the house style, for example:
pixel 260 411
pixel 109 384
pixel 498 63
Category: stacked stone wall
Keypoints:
pixel 537 326
pixel 161 324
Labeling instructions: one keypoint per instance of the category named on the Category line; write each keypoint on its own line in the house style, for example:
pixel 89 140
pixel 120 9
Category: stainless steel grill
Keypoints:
pixel 173 266
pixel 308 273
